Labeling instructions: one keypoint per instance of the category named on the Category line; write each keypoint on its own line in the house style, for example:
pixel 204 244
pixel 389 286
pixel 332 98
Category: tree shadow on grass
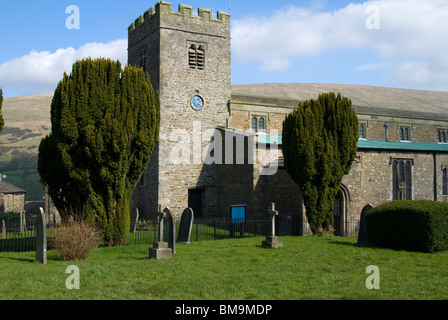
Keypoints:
pixel 19 259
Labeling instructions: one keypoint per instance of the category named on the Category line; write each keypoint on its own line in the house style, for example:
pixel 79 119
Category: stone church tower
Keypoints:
pixel 188 59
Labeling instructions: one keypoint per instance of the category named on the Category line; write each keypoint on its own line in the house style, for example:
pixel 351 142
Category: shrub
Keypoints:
pixel 409 225
pixel 75 240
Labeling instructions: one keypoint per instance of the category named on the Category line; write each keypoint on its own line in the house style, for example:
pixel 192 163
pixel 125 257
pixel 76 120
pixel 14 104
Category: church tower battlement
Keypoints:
pixel 188 59
pixel 165 7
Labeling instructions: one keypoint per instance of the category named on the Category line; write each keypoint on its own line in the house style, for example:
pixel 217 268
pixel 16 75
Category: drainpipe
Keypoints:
pixel 435 176
pixel 386 125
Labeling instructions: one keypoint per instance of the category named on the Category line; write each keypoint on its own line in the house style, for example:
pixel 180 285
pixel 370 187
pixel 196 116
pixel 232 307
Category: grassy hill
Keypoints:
pixel 27 121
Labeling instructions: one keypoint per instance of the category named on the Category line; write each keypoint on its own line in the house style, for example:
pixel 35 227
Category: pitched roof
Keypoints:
pixel 365 99
pixel 6 187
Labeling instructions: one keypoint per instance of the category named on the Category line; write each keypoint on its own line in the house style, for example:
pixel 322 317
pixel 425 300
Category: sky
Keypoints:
pixel 391 43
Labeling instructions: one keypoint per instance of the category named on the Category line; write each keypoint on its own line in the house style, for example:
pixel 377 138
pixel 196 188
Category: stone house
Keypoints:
pixel 220 144
pixel 12 198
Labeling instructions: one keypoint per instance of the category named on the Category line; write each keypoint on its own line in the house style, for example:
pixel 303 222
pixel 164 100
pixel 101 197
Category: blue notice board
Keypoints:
pixel 238 213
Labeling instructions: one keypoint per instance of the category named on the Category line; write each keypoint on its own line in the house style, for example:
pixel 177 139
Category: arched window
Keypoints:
pixel 405 134
pixel 261 124
pixel 402 179
pixel 362 131
pixel 254 124
pixel 258 124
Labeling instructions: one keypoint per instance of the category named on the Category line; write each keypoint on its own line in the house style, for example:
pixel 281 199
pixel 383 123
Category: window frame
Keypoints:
pixel 257 118
pixel 404 133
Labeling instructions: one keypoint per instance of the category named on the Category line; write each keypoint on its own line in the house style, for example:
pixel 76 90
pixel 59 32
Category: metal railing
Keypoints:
pixel 21 237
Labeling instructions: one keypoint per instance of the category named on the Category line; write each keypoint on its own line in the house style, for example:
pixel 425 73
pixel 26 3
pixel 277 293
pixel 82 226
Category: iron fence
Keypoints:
pixel 21 237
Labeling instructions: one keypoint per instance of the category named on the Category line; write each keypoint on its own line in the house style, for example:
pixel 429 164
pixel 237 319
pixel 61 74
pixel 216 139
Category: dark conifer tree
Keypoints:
pixel 105 123
pixel 319 145
pixel 2 121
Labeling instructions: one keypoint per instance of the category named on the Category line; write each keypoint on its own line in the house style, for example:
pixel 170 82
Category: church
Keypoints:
pixel 220 145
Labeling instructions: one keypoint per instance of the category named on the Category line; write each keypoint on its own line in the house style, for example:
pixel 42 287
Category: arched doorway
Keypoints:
pixel 340 211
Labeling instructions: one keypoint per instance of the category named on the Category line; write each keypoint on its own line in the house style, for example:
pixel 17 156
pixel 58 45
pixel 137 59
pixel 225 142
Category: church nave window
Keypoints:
pixel 405 134
pixel 442 136
pixel 402 179
pixel 362 131
pixel 258 124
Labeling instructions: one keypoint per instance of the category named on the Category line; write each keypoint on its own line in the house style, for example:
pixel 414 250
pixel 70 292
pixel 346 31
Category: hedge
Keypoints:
pixel 409 225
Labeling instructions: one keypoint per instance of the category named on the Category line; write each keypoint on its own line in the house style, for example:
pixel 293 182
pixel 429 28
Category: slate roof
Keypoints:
pixel 373 100
pixel 6 187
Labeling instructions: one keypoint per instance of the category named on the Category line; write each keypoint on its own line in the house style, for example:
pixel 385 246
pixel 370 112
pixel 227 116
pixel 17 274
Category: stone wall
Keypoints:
pixel 12 202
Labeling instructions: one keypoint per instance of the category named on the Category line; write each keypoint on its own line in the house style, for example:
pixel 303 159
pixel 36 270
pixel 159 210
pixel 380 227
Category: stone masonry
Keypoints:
pixel 160 41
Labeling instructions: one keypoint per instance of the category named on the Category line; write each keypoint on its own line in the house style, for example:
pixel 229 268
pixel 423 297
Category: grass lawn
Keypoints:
pixel 305 268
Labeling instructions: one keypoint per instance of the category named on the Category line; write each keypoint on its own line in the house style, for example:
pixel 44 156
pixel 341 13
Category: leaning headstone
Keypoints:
pixel 160 249
pixel 186 224
pixel 3 230
pixel 134 220
pixel 41 237
pixel 363 236
pixel 272 240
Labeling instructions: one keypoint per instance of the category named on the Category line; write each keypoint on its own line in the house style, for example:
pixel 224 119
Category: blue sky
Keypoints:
pixel 393 43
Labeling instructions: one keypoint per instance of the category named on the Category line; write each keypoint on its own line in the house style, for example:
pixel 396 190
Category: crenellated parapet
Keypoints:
pixel 163 8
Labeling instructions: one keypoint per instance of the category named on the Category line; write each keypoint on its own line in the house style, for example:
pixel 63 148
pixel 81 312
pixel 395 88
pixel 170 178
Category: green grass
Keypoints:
pixel 234 269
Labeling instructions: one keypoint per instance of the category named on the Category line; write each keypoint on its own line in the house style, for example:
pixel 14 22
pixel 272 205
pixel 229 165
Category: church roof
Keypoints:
pixel 365 99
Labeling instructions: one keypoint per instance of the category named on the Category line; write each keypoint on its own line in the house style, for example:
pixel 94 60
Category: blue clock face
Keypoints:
pixel 196 102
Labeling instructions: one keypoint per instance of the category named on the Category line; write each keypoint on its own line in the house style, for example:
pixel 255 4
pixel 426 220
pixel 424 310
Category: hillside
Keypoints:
pixel 27 121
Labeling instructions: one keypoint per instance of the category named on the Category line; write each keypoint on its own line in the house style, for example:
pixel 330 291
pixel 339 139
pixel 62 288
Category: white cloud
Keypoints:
pixel 410 41
pixel 40 72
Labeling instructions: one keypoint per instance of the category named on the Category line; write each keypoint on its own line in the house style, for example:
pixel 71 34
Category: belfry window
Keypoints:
pixel 402 179
pixel 196 57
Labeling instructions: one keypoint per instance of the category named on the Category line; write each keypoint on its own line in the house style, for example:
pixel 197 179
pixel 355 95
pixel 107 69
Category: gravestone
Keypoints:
pixel 272 240
pixel 41 237
pixel 169 232
pixel 363 236
pixel 3 229
pixel 161 249
pixel 186 224
pixel 134 220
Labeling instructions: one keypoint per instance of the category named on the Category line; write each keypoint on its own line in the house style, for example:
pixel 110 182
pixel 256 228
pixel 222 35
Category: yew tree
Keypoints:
pixel 105 122
pixel 319 145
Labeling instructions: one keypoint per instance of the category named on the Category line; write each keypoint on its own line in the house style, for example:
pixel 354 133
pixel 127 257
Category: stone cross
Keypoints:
pixel 161 249
pixel 161 215
pixel 272 241
pixel 272 213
